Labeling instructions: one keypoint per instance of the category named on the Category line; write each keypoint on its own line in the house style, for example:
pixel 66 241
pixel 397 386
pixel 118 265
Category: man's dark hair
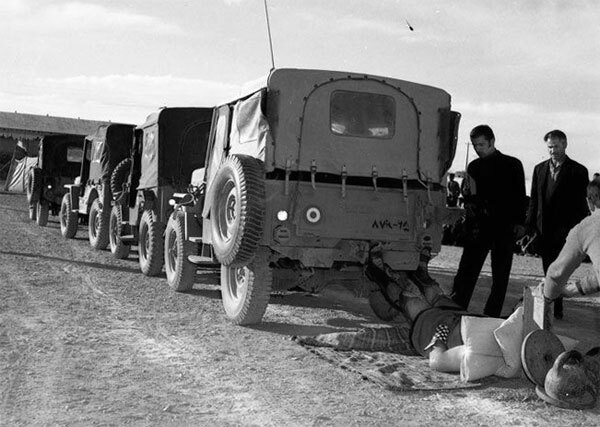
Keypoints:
pixel 558 134
pixel 482 130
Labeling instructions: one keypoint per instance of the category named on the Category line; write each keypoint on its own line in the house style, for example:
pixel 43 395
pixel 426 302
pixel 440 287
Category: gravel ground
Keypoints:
pixel 88 340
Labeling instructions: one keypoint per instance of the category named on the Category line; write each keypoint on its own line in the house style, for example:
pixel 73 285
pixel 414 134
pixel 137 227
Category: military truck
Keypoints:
pixel 166 149
pixel 303 176
pixel 89 199
pixel 59 159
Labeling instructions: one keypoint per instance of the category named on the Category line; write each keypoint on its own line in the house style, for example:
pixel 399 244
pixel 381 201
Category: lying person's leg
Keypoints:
pixel 404 295
pixel 444 359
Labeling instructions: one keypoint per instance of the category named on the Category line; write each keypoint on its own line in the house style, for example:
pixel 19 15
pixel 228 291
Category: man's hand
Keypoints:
pixel 519 231
pixel 538 295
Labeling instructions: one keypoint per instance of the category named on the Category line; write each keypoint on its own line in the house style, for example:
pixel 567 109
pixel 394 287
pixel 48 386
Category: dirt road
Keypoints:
pixel 88 340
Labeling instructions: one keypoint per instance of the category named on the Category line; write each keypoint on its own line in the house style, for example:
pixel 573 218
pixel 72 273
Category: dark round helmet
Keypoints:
pixel 568 382
pixel 592 364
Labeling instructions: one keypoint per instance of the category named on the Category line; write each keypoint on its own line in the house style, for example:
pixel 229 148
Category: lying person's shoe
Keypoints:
pixel 439 338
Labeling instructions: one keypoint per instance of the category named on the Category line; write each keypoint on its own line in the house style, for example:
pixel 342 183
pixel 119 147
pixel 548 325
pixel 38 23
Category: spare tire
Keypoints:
pixel 237 210
pixel 119 177
pixel 34 185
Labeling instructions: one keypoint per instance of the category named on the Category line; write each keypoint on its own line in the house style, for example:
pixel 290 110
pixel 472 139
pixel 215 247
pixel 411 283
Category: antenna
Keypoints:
pixel 269 32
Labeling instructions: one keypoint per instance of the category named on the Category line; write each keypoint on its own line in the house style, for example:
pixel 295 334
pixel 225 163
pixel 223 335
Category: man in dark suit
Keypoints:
pixel 494 194
pixel 558 201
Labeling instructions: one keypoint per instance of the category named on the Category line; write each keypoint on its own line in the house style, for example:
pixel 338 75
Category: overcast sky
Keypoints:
pixel 524 67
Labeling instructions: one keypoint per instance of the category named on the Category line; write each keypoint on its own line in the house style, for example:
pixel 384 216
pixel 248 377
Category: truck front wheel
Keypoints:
pixel 180 272
pixel 98 226
pixel 68 218
pixel 118 248
pixel 43 210
pixel 151 244
pixel 245 291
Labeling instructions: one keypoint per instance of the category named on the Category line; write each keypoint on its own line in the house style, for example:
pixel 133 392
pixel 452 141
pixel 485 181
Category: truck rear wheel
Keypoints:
pixel 118 248
pixel 68 218
pixel 42 213
pixel 237 210
pixel 34 185
pixel 151 244
pixel 245 291
pixel 180 272
pixel 98 226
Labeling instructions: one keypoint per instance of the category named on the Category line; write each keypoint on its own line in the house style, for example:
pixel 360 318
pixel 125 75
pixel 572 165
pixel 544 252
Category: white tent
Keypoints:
pixel 17 174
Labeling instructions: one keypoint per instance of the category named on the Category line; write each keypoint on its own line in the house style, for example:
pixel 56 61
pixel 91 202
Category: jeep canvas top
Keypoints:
pixel 172 161
pixel 108 146
pixel 349 159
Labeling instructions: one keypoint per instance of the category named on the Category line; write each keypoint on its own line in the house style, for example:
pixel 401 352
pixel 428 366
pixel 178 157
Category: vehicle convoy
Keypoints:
pixel 59 159
pixel 303 176
pixel 89 198
pixel 166 149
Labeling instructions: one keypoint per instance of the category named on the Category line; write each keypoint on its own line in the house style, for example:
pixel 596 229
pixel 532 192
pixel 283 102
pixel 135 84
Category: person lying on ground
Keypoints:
pixel 433 326
pixel 441 330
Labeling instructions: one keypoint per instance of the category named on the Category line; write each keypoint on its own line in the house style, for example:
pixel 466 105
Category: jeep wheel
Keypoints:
pixel 245 291
pixel 118 248
pixel 237 210
pixel 42 213
pixel 98 226
pixel 32 212
pixel 151 244
pixel 180 272
pixel 68 218
pixel 119 177
pixel 34 185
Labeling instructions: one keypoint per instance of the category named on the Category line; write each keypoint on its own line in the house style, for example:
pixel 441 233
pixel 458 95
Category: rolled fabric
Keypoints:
pixel 483 356
pixel 509 336
pixel 475 366
pixel 478 334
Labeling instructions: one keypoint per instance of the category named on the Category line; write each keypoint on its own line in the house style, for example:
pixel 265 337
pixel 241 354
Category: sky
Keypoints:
pixel 523 67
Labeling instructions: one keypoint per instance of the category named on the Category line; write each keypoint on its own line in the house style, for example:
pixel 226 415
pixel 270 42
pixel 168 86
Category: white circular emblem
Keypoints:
pixel 313 215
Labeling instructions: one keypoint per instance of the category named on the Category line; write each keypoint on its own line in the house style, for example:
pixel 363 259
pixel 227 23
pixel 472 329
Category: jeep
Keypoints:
pixel 59 159
pixel 89 198
pixel 166 149
pixel 303 176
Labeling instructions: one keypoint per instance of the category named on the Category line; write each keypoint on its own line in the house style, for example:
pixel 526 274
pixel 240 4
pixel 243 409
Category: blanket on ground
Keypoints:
pixel 383 356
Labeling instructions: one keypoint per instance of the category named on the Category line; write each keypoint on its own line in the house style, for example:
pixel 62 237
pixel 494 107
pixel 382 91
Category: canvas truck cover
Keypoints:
pixel 363 125
pixel 61 155
pixel 109 145
pixel 250 131
pixel 174 144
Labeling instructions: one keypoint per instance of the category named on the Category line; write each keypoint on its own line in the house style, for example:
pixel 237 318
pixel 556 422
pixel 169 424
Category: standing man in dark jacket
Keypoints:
pixel 495 213
pixel 558 201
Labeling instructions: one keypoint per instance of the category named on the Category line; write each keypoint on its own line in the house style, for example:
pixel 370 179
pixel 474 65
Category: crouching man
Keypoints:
pixel 582 240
